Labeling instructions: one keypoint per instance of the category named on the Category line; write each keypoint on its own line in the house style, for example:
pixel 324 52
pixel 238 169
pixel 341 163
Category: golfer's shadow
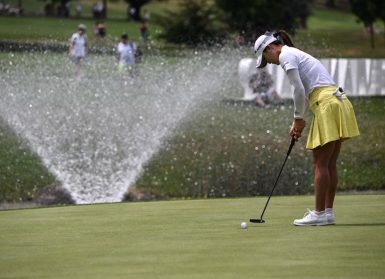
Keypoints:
pixel 361 225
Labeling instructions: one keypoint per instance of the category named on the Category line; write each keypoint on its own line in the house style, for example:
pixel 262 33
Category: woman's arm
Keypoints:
pixel 300 104
pixel 299 96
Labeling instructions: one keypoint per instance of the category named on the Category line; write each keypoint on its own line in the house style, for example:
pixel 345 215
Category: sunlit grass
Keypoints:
pixel 194 239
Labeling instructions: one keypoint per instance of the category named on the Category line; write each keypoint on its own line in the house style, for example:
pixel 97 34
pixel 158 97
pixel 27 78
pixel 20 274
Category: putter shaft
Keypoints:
pixel 275 184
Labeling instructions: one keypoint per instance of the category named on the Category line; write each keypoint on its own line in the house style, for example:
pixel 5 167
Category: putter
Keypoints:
pixel 260 220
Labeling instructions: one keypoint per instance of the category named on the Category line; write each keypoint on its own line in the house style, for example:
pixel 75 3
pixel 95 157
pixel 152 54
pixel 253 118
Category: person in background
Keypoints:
pixel 262 85
pixel 78 47
pixel 333 120
pixel 78 10
pixel 126 54
pixel 143 31
pixel 100 31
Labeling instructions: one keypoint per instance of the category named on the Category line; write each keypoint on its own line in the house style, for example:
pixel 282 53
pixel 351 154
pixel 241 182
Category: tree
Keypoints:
pixel 366 11
pixel 380 4
pixel 194 24
pixel 254 17
pixel 330 4
pixel 104 9
pixel 49 8
pixel 134 7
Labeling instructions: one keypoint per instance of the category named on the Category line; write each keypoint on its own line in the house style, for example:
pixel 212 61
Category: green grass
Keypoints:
pixel 34 28
pixel 230 151
pixel 330 33
pixel 224 151
pixel 333 33
pixel 41 29
pixel 194 239
pixel 22 173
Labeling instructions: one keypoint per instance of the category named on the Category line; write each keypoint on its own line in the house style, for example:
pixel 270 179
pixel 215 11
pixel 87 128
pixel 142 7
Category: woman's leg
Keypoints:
pixel 325 173
pixel 331 191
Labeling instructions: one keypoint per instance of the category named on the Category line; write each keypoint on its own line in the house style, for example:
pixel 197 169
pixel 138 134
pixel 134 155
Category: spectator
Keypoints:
pixel 100 30
pixel 146 15
pixel 143 32
pixel 262 85
pixel 78 47
pixel 127 54
pixel 78 10
pixel 67 7
pixel 97 10
pixel 131 13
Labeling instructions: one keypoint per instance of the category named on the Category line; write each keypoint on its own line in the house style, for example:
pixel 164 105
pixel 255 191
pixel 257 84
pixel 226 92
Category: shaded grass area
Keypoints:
pixel 362 159
pixel 238 150
pixel 22 173
pixel 223 150
pixel 194 239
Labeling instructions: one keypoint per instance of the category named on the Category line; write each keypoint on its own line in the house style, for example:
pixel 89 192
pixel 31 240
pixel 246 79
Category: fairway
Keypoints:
pixel 194 239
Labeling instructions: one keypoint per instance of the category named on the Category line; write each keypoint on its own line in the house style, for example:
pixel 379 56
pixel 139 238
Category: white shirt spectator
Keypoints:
pixel 126 53
pixel 79 45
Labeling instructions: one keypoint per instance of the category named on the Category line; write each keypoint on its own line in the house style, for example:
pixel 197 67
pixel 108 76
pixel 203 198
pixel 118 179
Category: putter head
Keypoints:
pixel 257 221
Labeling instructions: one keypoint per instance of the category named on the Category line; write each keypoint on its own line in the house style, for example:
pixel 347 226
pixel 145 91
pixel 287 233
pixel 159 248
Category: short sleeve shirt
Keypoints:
pixel 79 44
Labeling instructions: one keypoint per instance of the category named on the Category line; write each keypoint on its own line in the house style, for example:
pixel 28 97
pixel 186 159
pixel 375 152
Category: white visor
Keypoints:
pixel 260 44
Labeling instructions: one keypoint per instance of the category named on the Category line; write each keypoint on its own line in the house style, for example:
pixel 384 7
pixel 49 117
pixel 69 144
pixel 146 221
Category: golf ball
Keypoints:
pixel 243 225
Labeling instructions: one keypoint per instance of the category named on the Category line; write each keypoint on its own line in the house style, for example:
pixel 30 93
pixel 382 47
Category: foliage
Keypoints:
pixel 193 25
pixel 253 17
pixel 367 11
pixel 238 150
pixel 136 6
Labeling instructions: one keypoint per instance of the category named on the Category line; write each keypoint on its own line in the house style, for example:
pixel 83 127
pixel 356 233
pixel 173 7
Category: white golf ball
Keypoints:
pixel 243 225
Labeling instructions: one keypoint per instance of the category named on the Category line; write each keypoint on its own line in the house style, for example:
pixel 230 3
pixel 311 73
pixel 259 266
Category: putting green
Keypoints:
pixel 194 239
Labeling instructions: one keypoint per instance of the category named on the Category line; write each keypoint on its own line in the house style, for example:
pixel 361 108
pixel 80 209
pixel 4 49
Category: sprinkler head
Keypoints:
pixel 257 221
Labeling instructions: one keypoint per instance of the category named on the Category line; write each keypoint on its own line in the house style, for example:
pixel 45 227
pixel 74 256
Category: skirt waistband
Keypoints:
pixel 321 92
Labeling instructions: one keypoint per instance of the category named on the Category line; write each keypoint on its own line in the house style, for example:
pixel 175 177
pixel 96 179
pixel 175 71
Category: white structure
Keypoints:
pixel 359 77
pixel 246 68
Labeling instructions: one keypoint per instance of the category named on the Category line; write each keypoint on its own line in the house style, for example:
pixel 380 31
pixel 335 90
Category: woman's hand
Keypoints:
pixel 297 128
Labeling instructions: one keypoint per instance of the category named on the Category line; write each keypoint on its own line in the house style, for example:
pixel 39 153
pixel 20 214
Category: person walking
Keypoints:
pixel 126 54
pixel 333 119
pixel 78 47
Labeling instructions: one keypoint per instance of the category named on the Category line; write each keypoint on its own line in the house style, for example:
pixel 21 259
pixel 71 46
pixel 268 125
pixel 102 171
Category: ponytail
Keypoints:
pixel 283 38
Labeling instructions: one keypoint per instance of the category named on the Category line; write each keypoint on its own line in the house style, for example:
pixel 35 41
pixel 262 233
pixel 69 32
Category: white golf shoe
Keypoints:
pixel 312 219
pixel 330 217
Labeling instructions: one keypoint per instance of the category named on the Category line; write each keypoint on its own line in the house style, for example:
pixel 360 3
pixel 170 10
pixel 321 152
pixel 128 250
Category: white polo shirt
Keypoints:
pixel 311 71
pixel 79 44
pixel 126 53
pixel 305 73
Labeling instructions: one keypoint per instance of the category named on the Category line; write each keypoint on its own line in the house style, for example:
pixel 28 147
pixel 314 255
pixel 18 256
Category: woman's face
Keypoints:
pixel 271 54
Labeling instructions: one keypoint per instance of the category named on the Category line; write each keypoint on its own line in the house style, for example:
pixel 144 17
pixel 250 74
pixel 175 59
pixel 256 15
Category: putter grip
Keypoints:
pixel 291 145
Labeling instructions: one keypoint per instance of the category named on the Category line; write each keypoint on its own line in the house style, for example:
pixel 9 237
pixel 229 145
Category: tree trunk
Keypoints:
pixel 104 9
pixel 371 31
pixel 134 12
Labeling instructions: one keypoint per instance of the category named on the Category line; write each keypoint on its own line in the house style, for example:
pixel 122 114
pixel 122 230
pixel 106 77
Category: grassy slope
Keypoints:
pixel 21 172
pixel 193 239
pixel 323 26
pixel 229 151
pixel 338 34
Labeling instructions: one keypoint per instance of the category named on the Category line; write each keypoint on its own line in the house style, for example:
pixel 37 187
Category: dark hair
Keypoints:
pixel 124 36
pixel 283 38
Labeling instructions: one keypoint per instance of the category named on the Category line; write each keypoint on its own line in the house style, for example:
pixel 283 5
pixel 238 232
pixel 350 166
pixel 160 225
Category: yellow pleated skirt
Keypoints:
pixel 333 117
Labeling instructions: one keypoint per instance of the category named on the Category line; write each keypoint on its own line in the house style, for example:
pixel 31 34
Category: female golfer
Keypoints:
pixel 333 117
